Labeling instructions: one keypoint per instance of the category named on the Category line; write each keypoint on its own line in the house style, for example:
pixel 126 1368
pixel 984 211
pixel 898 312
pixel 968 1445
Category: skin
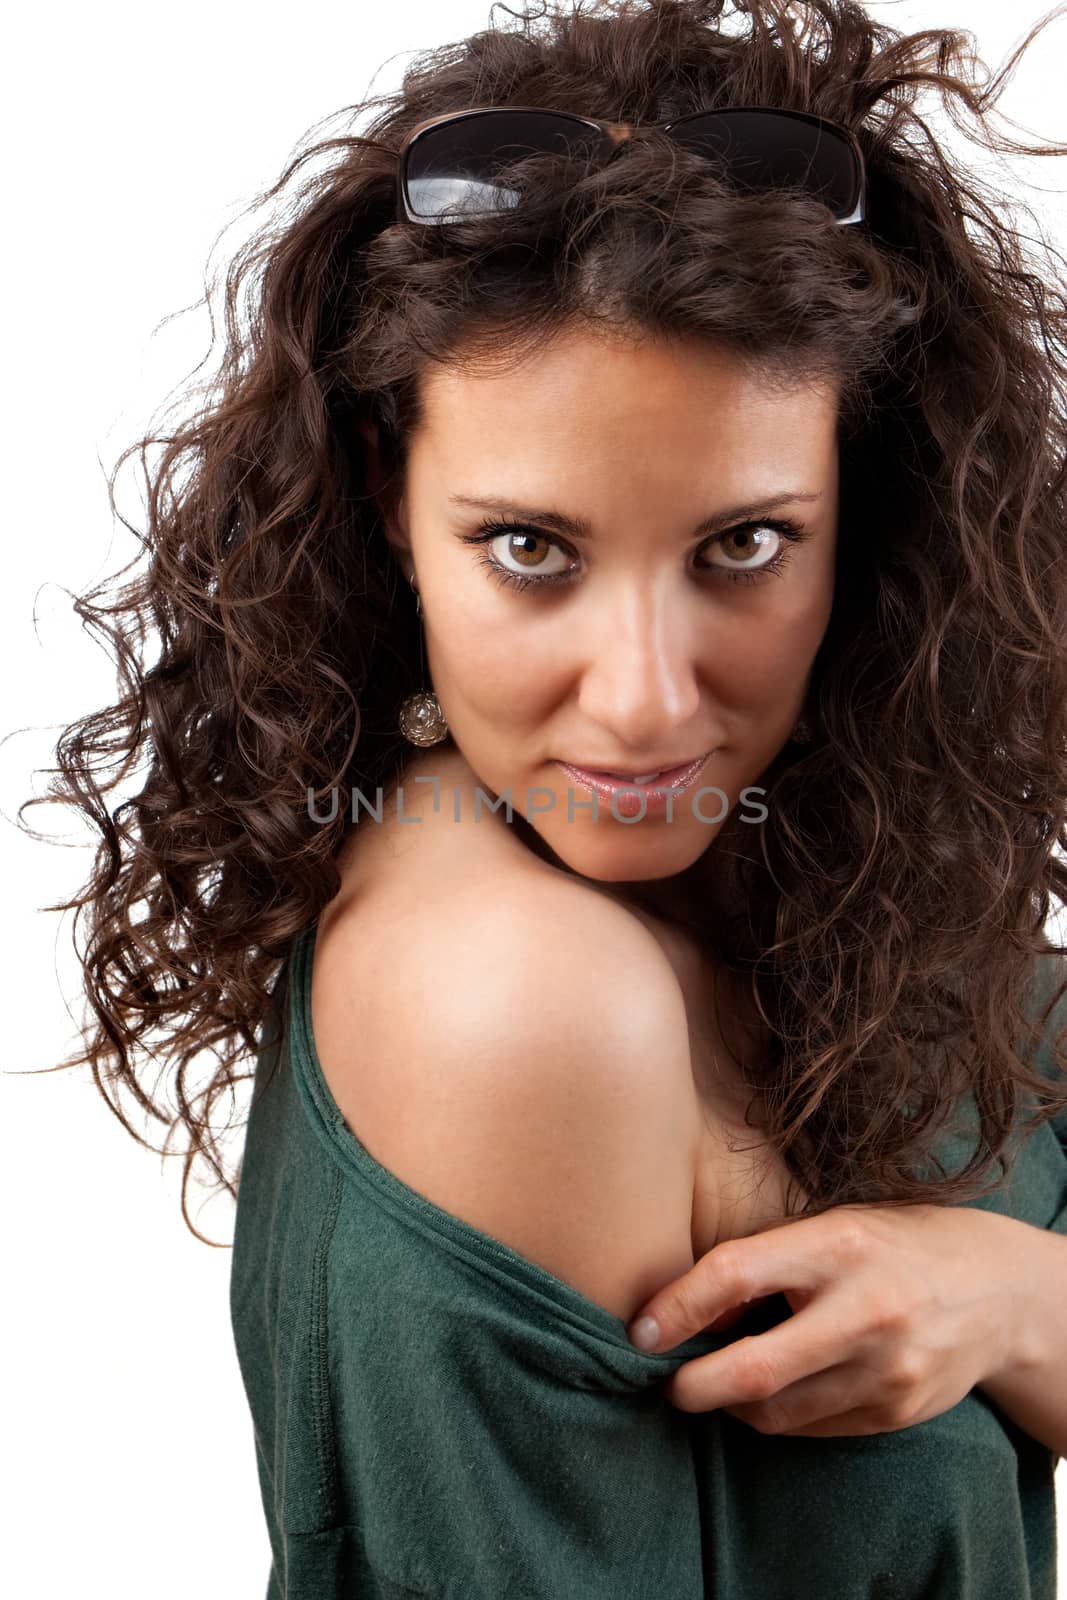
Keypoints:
pixel 642 654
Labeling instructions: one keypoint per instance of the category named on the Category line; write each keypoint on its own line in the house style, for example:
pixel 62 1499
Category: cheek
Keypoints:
pixel 503 670
pixel 761 663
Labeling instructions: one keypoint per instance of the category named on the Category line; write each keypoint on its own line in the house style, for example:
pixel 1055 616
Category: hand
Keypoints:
pixel 899 1312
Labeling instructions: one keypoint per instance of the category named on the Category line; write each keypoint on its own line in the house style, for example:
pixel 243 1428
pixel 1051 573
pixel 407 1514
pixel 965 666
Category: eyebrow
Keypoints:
pixel 581 528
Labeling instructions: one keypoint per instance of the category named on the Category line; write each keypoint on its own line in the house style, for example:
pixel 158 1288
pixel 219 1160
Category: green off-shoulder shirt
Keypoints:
pixel 436 1416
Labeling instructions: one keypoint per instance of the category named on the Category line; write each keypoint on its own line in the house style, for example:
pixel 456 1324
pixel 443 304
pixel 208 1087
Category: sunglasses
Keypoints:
pixel 450 165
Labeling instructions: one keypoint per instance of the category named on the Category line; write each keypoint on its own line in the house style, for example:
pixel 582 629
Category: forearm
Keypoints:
pixel 1030 1386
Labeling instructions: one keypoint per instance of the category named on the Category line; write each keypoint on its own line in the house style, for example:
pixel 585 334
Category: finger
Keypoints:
pixel 825 1397
pixel 798 1255
pixel 759 1366
pixel 850 1424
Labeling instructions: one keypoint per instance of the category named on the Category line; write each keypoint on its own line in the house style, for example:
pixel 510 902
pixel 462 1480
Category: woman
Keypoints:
pixel 700 425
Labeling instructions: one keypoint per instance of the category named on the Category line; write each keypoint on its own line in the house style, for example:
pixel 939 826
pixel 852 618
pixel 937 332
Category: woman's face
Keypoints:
pixel 661 640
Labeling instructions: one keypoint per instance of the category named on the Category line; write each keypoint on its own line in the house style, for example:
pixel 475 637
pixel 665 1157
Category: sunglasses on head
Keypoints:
pixel 450 165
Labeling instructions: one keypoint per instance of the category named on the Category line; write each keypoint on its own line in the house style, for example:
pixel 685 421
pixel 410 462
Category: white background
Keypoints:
pixel 133 135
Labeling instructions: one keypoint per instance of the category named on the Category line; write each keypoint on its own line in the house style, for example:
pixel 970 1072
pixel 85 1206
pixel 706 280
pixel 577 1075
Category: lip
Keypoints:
pixel 620 773
pixel 672 780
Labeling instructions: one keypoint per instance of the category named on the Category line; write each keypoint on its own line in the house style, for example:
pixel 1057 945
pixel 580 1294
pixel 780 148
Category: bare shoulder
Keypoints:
pixel 542 1028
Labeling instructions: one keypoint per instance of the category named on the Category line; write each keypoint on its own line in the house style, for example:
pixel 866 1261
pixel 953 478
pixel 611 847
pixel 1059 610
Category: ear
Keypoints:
pixel 391 509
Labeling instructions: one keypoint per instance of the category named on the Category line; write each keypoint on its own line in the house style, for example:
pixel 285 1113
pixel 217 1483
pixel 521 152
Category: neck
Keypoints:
pixel 679 900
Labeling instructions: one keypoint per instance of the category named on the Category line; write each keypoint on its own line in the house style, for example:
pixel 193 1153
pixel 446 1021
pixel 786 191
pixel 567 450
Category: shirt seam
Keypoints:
pixel 319 1374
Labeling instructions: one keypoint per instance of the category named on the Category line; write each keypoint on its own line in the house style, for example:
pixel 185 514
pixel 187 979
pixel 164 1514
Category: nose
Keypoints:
pixel 640 682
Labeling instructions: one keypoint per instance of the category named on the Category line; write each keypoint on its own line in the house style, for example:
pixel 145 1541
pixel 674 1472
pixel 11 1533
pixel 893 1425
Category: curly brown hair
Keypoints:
pixel 894 914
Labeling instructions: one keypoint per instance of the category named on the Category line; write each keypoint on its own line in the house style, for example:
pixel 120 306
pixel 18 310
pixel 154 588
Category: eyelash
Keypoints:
pixel 490 530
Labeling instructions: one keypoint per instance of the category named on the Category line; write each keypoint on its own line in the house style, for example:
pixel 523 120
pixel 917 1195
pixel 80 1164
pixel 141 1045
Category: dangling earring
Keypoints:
pixel 801 733
pixel 422 721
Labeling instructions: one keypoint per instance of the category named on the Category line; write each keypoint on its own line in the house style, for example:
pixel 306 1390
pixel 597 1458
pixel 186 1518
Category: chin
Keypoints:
pixel 624 856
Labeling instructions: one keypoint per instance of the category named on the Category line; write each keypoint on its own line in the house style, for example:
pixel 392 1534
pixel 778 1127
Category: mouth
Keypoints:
pixel 648 783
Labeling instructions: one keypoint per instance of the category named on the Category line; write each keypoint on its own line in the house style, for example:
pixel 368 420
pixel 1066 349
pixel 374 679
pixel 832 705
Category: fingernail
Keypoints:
pixel 644 1333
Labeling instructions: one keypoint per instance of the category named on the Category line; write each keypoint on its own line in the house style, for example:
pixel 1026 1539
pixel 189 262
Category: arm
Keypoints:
pixel 1031 1387
pixel 505 1434
pixel 552 1044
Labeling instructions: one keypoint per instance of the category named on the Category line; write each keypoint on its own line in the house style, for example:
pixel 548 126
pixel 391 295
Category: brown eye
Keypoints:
pixel 525 547
pixel 519 561
pixel 515 553
pixel 750 547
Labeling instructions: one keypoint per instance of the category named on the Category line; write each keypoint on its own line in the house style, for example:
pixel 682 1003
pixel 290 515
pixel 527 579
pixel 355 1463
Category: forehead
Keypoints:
pixel 582 396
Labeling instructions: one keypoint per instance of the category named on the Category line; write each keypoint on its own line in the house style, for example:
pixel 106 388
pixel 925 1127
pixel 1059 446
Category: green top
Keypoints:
pixel 437 1416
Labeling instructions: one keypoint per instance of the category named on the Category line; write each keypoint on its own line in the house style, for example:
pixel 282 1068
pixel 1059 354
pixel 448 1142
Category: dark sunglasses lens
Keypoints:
pixel 452 168
pixel 764 150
